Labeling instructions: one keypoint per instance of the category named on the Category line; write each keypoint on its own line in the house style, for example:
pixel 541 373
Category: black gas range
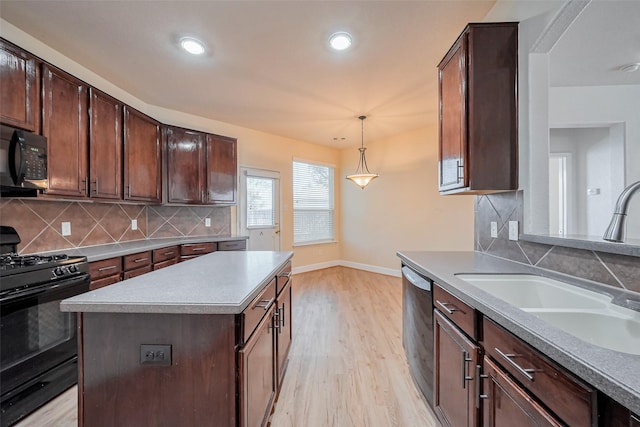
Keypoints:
pixel 38 342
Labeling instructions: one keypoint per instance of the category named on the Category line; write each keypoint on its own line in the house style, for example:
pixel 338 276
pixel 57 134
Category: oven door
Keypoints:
pixel 35 335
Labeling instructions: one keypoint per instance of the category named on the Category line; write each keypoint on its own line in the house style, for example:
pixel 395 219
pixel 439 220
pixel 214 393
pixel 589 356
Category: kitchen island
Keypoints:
pixel 203 342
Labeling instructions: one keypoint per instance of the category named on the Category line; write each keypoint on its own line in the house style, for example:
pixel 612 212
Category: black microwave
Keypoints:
pixel 23 162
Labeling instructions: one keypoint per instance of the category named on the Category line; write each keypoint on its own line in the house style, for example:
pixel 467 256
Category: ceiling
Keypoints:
pixel 268 65
pixel 604 37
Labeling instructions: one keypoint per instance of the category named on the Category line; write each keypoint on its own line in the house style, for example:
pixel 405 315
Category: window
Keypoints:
pixel 312 203
pixel 260 206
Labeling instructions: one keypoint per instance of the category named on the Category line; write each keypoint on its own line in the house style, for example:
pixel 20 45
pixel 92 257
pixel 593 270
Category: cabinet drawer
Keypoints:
pixel 135 261
pixel 137 272
pixel 104 268
pixel 252 315
pixel 283 277
pixel 105 281
pixel 197 248
pixel 167 263
pixel 455 310
pixel 233 245
pixel 569 399
pixel 164 254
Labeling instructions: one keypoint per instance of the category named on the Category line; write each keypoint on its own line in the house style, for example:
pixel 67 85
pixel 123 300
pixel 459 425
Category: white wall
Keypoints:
pixel 402 209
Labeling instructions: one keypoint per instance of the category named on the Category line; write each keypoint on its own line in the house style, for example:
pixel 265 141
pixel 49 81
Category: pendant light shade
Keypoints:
pixel 362 177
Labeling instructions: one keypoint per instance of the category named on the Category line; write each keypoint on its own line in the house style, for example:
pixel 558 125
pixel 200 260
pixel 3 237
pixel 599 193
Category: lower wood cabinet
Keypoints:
pixel 193 250
pixel 508 404
pixel 282 319
pixel 165 257
pixel 456 358
pixel 136 264
pixel 105 272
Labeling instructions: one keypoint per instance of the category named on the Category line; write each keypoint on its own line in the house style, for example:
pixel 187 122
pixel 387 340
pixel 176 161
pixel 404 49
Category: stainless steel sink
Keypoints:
pixel 587 315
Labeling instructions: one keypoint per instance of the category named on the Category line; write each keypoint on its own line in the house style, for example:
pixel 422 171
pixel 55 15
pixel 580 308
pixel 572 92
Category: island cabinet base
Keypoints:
pixel 197 388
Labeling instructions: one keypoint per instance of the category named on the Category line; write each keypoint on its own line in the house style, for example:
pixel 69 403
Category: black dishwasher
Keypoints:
pixel 417 329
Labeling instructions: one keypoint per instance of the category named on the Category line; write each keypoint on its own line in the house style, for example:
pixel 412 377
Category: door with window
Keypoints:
pixel 260 208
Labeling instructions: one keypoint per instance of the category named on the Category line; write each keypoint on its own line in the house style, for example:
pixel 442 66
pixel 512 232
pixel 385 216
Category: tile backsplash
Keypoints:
pixel 39 222
pixel 616 270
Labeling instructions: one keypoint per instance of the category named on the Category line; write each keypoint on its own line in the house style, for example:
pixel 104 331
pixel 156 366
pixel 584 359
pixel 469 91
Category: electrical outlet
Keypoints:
pixel 207 222
pixel 66 229
pixel 155 354
pixel 494 229
pixel 513 230
pixel 134 224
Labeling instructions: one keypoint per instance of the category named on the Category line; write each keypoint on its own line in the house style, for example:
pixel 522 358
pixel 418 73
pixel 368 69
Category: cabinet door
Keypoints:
pixel 222 168
pixel 456 359
pixel 284 335
pixel 185 165
pixel 453 118
pixel 65 124
pixel 142 157
pixel 20 88
pixel 256 379
pixel 506 404
pixel 105 146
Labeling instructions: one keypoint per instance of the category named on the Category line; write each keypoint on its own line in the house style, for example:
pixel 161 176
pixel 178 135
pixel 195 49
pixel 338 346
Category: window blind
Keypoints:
pixel 260 206
pixel 312 203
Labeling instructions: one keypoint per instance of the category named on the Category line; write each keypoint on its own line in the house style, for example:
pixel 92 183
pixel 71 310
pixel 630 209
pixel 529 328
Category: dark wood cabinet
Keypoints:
pixel 65 124
pixel 185 165
pixel 142 157
pixel 193 250
pixel 201 168
pixel 105 272
pixel 256 381
pixel 105 146
pixel 478 111
pixel 20 88
pixel 282 320
pixel 165 257
pixel 222 167
pixel 456 358
pixel 507 404
pixel 136 264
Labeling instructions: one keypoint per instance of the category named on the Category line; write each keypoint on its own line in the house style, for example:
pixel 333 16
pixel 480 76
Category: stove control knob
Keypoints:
pixel 58 271
pixel 73 269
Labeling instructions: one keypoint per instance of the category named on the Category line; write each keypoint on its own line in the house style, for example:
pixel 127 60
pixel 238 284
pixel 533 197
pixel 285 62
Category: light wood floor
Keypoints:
pixel 346 364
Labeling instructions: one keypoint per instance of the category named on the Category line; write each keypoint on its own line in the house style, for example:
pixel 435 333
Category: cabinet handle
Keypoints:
pixel 198 249
pixel 128 191
pixel 140 260
pixel 111 267
pixel 459 166
pixel 444 305
pixel 169 253
pixel 276 320
pixel 86 185
pixel 509 358
pixel 480 377
pixel 286 274
pixel 264 303
pixel 96 183
pixel 282 312
pixel 465 377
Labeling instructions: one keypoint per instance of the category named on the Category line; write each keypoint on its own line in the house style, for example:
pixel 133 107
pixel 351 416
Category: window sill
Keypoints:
pixel 320 242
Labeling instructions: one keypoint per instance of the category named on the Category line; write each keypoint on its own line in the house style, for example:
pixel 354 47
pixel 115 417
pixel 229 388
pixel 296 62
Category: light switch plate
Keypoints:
pixel 513 230
pixel 207 222
pixel 66 229
pixel 494 229
pixel 134 224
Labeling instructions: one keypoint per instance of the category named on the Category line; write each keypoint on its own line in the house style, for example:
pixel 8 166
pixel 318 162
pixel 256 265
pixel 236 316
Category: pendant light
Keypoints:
pixel 362 177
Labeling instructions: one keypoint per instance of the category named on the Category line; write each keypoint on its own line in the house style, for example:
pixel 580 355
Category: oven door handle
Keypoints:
pixel 60 285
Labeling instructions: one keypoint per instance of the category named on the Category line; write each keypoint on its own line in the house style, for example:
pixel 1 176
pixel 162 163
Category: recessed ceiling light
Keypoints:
pixel 630 68
pixel 340 40
pixel 191 45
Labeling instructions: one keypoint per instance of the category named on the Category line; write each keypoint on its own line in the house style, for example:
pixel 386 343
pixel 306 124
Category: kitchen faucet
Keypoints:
pixel 616 229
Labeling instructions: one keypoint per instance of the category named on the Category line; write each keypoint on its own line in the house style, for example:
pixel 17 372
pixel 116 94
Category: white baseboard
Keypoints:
pixel 342 263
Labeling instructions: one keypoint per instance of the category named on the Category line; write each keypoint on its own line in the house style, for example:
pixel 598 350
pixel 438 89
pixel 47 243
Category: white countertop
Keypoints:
pixel 216 283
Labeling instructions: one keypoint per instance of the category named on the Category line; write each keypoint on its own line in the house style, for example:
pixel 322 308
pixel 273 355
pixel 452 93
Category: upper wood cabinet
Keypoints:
pixel 65 124
pixel 105 142
pixel 478 111
pixel 185 165
pixel 201 168
pixel 142 157
pixel 20 88
pixel 222 167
